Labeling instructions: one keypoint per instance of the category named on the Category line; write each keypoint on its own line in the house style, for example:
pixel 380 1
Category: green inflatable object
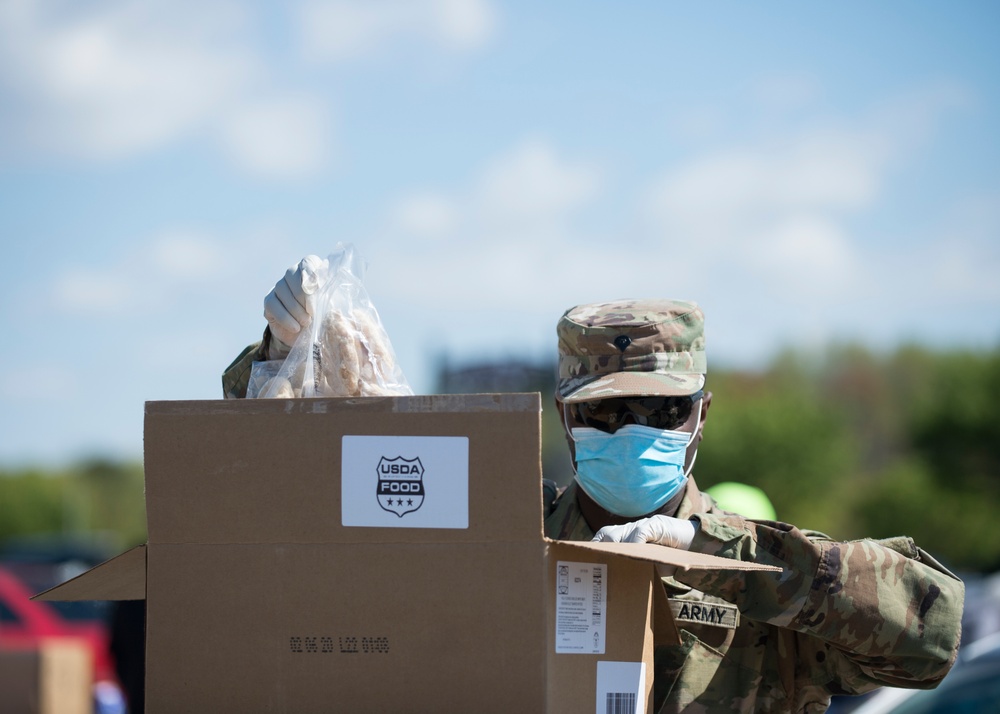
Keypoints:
pixel 748 501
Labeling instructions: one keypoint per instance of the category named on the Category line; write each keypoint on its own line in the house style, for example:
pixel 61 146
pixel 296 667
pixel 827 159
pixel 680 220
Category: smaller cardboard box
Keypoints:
pixel 55 677
pixel 376 555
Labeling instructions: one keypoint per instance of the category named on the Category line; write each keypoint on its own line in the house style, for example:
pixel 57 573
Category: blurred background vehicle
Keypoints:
pixel 25 622
pixel 30 566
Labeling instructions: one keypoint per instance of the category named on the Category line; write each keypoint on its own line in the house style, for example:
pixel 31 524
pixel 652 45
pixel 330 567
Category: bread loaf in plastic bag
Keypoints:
pixel 344 351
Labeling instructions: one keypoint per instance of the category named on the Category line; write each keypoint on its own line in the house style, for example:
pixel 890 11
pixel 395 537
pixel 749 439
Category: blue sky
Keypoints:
pixel 806 172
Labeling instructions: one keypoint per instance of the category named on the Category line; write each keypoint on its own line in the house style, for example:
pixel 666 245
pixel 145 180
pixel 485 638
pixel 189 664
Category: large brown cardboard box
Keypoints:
pixel 54 677
pixel 376 555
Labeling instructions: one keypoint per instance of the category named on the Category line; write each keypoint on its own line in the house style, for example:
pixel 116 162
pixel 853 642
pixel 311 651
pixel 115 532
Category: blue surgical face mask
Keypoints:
pixel 634 471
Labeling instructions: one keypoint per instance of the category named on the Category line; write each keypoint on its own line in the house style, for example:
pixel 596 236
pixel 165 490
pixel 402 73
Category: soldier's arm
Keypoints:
pixel 236 376
pixel 882 612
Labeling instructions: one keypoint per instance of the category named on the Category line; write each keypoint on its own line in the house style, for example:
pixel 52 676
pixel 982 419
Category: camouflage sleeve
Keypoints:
pixel 867 612
pixel 236 377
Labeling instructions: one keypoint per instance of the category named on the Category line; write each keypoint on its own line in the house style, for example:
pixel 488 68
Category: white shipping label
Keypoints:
pixel 621 688
pixel 405 481
pixel 581 607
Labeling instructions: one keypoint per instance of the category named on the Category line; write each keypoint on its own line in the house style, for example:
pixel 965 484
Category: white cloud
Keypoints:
pixel 494 243
pixel 809 252
pixel 532 184
pixel 786 91
pixel 686 124
pixel 963 262
pixel 525 197
pixel 114 79
pixel 186 255
pixel 279 137
pixel 720 204
pixel 39 382
pixel 426 215
pixel 799 222
pixel 109 79
pixel 820 170
pixel 83 291
pixel 352 29
pixel 908 119
pixel 464 24
pixel 169 268
pixel 964 271
pixel 773 215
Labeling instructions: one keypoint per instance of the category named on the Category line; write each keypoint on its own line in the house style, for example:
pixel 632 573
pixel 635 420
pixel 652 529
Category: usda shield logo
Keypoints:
pixel 400 484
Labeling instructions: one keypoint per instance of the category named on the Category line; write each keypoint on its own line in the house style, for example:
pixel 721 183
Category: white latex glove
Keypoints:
pixel 662 530
pixel 286 307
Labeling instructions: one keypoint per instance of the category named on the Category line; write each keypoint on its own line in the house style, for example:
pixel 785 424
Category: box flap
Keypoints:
pixel 121 578
pixel 664 626
pixel 280 470
pixel 615 610
pixel 666 556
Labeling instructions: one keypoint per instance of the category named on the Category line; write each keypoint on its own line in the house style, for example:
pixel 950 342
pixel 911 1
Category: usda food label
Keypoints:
pixel 405 481
pixel 581 607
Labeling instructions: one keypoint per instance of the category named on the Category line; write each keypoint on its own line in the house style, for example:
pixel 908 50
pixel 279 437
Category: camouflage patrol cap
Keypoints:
pixel 631 348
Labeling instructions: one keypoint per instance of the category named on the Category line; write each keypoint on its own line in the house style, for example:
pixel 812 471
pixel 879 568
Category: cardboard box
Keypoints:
pixel 375 555
pixel 53 678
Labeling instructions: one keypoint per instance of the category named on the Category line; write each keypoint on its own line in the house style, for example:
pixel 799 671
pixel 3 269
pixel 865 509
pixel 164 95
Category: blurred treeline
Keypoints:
pixel 858 445
pixel 98 503
pixel 848 442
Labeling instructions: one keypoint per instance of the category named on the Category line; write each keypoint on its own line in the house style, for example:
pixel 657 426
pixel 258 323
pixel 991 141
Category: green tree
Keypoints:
pixel 99 497
pixel 772 431
pixel 34 501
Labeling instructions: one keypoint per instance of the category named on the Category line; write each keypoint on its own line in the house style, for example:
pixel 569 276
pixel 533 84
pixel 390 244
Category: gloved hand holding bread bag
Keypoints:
pixel 327 339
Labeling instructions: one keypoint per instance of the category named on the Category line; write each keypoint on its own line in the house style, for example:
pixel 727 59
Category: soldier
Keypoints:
pixel 840 618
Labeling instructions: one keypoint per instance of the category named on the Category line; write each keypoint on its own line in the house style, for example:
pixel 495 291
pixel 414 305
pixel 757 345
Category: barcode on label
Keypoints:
pixel 621 703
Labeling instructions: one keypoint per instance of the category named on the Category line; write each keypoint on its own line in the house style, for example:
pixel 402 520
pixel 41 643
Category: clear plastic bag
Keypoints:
pixel 345 351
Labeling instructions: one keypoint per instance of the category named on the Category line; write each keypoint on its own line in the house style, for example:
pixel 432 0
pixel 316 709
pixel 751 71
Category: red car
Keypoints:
pixel 25 622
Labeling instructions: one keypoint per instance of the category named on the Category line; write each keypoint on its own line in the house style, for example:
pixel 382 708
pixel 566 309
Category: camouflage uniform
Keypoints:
pixel 237 375
pixel 840 618
pixel 631 348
